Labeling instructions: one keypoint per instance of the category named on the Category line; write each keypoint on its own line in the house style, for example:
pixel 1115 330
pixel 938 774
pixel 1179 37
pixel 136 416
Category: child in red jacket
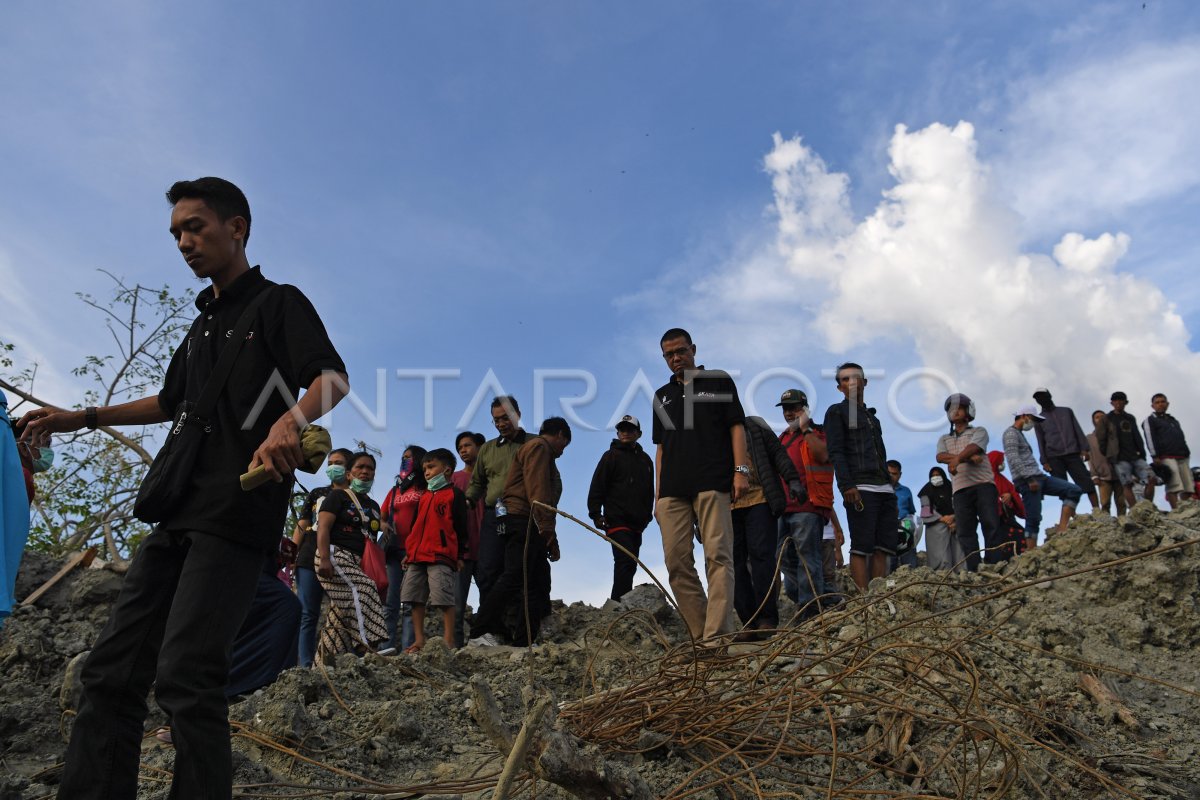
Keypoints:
pixel 435 548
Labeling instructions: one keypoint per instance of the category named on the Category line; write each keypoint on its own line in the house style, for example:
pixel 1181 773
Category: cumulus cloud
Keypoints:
pixel 937 274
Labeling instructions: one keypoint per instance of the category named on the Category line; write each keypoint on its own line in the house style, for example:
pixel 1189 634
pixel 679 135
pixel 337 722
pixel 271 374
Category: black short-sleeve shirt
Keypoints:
pixel 348 524
pixel 691 423
pixel 308 545
pixel 285 350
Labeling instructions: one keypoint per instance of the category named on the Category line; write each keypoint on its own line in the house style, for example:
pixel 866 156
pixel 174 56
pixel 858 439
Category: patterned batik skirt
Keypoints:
pixel 354 622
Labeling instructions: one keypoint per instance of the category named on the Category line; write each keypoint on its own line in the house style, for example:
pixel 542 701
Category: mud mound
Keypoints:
pixel 1071 671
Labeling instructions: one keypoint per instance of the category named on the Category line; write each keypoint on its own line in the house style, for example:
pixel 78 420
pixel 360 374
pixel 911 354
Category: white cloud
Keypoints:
pixel 1105 137
pixel 1091 255
pixel 937 274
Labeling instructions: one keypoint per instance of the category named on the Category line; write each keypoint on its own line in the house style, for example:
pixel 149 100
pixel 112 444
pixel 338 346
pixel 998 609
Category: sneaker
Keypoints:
pixel 386 651
pixel 486 640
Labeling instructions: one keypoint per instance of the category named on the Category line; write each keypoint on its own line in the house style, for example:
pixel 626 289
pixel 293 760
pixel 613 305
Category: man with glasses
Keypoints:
pixel 487 486
pixel 700 464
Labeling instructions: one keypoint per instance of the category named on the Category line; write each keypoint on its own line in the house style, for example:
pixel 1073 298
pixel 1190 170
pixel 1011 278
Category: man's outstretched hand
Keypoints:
pixel 280 453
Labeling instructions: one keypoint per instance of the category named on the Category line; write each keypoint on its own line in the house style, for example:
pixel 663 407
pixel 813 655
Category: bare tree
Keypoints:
pixel 87 497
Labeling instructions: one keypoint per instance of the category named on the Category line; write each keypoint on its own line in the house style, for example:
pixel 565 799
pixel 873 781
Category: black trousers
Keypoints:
pixel 755 579
pixel 508 593
pixel 491 555
pixel 1072 464
pixel 979 506
pixel 184 599
pixel 624 567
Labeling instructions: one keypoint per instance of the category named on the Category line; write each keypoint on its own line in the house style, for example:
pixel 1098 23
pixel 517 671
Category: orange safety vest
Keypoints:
pixel 817 477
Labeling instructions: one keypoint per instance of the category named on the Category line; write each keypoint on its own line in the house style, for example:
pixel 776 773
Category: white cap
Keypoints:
pixel 629 419
pixel 1029 409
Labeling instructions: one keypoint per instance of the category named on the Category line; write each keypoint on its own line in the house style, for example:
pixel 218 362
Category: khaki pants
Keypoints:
pixel 711 616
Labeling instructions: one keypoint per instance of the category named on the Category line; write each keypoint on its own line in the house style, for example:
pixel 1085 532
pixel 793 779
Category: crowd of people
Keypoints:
pixel 203 614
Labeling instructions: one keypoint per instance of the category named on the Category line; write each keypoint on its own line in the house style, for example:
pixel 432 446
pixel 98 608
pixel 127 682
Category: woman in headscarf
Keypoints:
pixel 1011 507
pixel 942 549
pixel 348 516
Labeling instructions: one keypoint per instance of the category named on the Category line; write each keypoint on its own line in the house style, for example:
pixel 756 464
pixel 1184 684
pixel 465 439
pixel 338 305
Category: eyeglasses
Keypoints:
pixel 682 352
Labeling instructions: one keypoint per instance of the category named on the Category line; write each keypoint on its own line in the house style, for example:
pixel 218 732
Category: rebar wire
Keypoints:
pixel 890 695
pixel 868 700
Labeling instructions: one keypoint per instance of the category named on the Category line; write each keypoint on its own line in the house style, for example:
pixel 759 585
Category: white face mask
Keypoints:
pixel 936 480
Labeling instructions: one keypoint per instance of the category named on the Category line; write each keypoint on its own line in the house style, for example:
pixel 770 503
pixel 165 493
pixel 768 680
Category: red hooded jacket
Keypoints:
pixel 1004 485
pixel 439 533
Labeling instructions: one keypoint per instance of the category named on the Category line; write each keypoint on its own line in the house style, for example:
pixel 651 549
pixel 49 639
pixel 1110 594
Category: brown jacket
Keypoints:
pixel 534 476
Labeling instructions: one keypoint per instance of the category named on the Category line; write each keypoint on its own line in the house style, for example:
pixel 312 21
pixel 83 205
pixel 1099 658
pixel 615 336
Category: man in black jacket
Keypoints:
pixel 855 440
pixel 1130 464
pixel 1168 447
pixel 621 500
pixel 756 529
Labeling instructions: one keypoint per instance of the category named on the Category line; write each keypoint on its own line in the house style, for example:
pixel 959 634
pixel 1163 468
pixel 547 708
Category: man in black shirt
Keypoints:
pixel 856 450
pixel 192 581
pixel 700 463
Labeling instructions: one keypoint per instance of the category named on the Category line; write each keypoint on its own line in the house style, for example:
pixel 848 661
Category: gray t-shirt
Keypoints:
pixel 968 474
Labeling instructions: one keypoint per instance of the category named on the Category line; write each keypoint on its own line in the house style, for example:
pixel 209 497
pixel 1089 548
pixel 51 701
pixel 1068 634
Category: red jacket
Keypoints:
pixel 439 533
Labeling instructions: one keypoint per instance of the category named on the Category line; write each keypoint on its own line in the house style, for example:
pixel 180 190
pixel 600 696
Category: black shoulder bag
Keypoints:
pixel 167 481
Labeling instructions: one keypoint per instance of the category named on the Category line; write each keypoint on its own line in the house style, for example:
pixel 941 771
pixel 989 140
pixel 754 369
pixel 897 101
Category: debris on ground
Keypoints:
pixel 1071 671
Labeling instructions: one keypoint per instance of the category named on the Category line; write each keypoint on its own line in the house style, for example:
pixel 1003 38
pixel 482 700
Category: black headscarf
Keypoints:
pixel 940 497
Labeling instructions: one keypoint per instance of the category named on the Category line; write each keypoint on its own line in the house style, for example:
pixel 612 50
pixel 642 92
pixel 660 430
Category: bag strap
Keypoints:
pixel 229 353
pixel 362 515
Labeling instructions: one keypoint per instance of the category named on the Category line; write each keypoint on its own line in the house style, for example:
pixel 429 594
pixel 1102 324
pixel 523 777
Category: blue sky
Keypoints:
pixel 549 186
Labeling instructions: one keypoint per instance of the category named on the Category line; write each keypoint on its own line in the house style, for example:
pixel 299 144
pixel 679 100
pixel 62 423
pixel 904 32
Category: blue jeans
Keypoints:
pixel 1049 485
pixel 309 590
pixel 803 530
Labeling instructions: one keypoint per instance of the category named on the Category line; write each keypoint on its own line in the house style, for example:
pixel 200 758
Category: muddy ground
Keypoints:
pixel 932 685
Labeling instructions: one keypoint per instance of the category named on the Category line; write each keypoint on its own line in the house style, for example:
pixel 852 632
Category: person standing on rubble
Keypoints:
pixel 194 576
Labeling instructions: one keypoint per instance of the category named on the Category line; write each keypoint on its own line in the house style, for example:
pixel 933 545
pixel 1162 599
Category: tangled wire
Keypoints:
pixel 892 694
pixel 885 692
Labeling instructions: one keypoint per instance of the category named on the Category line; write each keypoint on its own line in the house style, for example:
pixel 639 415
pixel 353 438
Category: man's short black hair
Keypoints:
pixel 894 463
pixel 442 456
pixel 554 426
pixel 849 365
pixel 477 438
pixel 345 453
pixel 676 333
pixel 500 402
pixel 224 198
pixel 1158 395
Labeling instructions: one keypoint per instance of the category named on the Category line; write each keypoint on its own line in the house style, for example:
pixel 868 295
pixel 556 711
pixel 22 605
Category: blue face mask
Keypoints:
pixel 336 473
pixel 438 482
pixel 45 459
pixel 360 486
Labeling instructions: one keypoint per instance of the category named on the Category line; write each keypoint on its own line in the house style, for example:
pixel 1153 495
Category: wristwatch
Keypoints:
pixel 89 418
pixel 742 469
